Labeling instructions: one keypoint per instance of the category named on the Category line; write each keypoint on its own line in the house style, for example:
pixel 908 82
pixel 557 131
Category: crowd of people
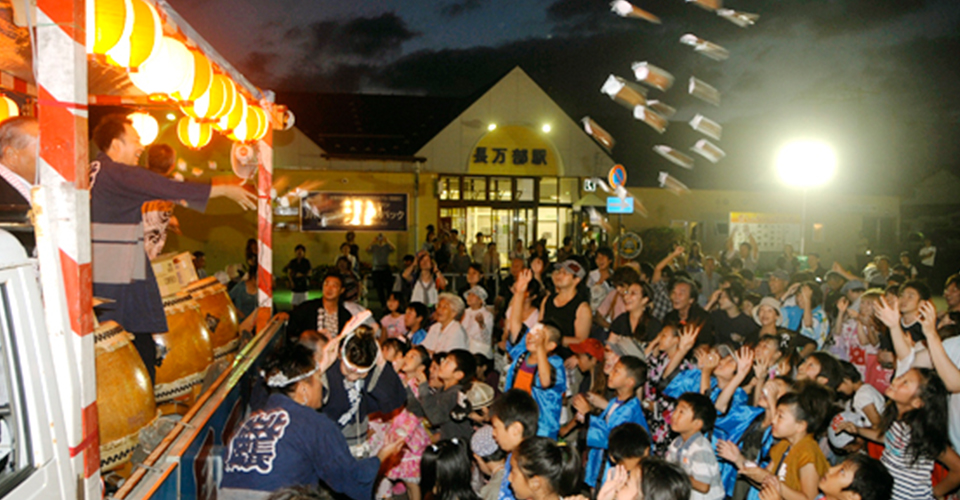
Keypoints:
pixel 591 377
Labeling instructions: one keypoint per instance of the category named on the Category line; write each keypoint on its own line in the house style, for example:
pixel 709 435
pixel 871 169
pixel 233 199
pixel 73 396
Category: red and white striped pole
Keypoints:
pixel 265 230
pixel 62 208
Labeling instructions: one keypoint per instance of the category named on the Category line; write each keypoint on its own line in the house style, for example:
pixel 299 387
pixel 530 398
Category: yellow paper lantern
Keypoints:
pixel 170 69
pixel 253 128
pixel 198 81
pixel 146 126
pixel 236 115
pixel 214 103
pixel 8 108
pixel 263 123
pixel 137 46
pixel 194 134
pixel 110 25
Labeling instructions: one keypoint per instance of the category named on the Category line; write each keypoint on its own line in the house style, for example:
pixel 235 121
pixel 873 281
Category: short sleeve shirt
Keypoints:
pixel 794 458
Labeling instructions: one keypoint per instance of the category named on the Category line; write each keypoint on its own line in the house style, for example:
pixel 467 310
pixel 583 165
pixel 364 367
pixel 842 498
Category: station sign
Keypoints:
pixel 616 205
pixel 326 211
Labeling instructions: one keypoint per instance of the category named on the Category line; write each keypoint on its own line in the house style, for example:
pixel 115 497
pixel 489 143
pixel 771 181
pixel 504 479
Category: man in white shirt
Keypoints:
pixel 18 172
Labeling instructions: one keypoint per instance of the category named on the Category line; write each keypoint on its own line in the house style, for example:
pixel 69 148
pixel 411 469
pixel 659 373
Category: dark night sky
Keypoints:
pixel 878 79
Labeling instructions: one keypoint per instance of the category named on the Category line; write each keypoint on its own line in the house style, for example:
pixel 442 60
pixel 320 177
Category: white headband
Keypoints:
pixel 278 379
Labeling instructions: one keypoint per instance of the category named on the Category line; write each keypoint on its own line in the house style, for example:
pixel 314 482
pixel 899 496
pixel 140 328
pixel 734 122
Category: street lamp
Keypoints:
pixel 805 164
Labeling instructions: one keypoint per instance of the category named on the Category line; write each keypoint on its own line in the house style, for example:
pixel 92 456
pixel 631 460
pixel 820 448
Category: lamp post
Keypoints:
pixel 805 164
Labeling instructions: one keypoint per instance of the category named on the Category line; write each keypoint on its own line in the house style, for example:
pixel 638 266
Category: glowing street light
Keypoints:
pixel 806 164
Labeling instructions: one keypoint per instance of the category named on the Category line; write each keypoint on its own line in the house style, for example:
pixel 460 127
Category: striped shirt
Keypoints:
pixel 698 460
pixel 911 481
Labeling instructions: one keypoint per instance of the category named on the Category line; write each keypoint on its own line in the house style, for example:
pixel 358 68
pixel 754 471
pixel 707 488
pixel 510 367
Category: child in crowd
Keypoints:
pixel 490 459
pixel 442 400
pixel 694 416
pixel 864 399
pixel 914 430
pixel 858 478
pixel 536 369
pixel 543 470
pixel 771 359
pixel 478 322
pixel 446 471
pixel 394 322
pixel 655 480
pixel 415 319
pixel 629 444
pixel 628 375
pixel 515 417
pixel 666 356
pixel 394 350
pixel 796 462
pixel 822 368
pixel 481 397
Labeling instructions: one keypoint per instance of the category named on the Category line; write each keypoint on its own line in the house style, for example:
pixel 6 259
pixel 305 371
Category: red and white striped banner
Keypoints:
pixel 10 82
pixel 64 245
pixel 265 230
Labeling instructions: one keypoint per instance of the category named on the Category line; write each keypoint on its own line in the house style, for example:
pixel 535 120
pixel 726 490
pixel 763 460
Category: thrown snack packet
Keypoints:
pixel 701 90
pixel 196 171
pixel 676 187
pixel 706 126
pixel 662 109
pixel 708 150
pixel 651 118
pixel 653 76
pixel 627 9
pixel 708 49
pixel 624 93
pixel 675 157
pixel 597 132
pixel 741 19
pixel 708 4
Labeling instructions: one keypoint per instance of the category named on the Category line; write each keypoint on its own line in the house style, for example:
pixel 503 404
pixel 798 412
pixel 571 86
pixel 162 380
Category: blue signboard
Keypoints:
pixel 617 206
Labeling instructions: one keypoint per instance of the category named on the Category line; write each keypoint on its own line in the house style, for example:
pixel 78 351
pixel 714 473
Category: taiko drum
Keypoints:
pixel 125 399
pixel 189 349
pixel 220 315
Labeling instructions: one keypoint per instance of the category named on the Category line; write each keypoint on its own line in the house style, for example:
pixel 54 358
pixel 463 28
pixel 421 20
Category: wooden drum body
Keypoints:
pixel 220 315
pixel 124 395
pixel 188 346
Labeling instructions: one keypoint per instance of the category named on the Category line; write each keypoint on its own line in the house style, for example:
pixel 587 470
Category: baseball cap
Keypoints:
pixel 852 285
pixel 725 350
pixel 573 267
pixel 480 395
pixel 626 346
pixel 780 274
pixel 479 292
pixel 590 346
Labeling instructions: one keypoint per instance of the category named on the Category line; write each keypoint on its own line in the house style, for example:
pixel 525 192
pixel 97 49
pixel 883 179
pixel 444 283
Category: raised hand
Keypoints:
pixel 688 337
pixel 771 489
pixel 729 452
pixel 928 318
pixel 616 479
pixel 842 304
pixel 744 360
pixel 523 279
pixel 888 312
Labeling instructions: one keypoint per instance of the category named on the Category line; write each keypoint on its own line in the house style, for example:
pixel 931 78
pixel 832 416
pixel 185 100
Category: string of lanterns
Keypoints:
pixel 129 34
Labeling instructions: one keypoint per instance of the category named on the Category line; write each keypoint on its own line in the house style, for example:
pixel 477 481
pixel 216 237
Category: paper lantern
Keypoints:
pixel 194 134
pixel 144 37
pixel 198 82
pixel 236 115
pixel 8 108
pixel 253 128
pixel 170 69
pixel 146 126
pixel 110 25
pixel 214 103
